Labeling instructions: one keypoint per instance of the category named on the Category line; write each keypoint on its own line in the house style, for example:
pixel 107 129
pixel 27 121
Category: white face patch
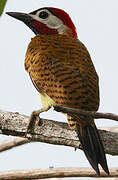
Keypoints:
pixel 51 21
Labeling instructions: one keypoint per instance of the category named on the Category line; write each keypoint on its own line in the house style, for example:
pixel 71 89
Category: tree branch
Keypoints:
pixel 54 173
pixel 93 114
pixel 52 132
pixel 5 145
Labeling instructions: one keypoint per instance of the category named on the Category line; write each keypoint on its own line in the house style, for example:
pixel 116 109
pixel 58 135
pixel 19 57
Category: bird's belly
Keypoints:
pixel 47 102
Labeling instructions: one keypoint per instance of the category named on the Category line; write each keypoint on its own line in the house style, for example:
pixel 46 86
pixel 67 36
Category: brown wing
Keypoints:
pixel 62 68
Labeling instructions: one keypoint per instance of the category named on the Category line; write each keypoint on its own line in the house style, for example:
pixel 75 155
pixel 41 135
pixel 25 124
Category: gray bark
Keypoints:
pixel 52 132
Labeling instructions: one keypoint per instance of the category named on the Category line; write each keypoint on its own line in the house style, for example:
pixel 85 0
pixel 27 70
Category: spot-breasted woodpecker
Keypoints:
pixel 62 71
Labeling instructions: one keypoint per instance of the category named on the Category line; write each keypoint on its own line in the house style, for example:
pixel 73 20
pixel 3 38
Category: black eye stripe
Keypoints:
pixel 43 14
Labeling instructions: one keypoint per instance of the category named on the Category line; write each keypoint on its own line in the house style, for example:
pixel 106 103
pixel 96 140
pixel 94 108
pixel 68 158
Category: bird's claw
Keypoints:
pixel 32 121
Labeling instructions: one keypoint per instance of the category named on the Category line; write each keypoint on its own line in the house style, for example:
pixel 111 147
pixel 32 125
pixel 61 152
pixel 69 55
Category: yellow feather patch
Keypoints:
pixel 47 102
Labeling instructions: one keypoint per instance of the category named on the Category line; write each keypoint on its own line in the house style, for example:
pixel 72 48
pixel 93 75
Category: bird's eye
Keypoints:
pixel 43 14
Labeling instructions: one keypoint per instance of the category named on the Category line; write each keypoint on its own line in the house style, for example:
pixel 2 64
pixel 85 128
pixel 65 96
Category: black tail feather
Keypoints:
pixel 102 157
pixel 93 147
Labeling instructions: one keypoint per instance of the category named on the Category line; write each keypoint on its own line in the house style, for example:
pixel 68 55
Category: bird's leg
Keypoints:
pixel 34 118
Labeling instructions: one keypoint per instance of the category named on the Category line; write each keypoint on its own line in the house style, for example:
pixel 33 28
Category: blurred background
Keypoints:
pixel 97 27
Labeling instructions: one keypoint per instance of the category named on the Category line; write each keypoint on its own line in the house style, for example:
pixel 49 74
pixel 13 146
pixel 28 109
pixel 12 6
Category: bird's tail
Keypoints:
pixel 93 147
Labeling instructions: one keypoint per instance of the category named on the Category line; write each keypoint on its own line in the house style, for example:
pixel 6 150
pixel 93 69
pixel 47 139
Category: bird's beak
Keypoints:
pixel 26 18
pixel 20 16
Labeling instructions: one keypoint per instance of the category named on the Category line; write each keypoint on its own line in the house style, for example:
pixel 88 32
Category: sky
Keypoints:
pixel 97 27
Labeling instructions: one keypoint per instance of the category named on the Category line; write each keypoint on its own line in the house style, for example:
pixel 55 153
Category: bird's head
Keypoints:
pixel 47 20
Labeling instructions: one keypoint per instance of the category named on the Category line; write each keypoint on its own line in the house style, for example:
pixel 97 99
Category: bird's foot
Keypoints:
pixel 32 121
pixel 35 118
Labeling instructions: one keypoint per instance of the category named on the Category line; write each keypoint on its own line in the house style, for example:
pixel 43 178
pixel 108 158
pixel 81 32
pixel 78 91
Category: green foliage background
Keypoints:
pixel 2 6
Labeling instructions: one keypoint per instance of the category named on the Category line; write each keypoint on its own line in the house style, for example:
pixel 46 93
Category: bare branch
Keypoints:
pixel 54 173
pixel 5 145
pixel 93 114
pixel 14 142
pixel 52 132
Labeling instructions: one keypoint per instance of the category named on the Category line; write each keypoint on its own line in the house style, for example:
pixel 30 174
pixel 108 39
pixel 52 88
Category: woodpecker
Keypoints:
pixel 62 71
